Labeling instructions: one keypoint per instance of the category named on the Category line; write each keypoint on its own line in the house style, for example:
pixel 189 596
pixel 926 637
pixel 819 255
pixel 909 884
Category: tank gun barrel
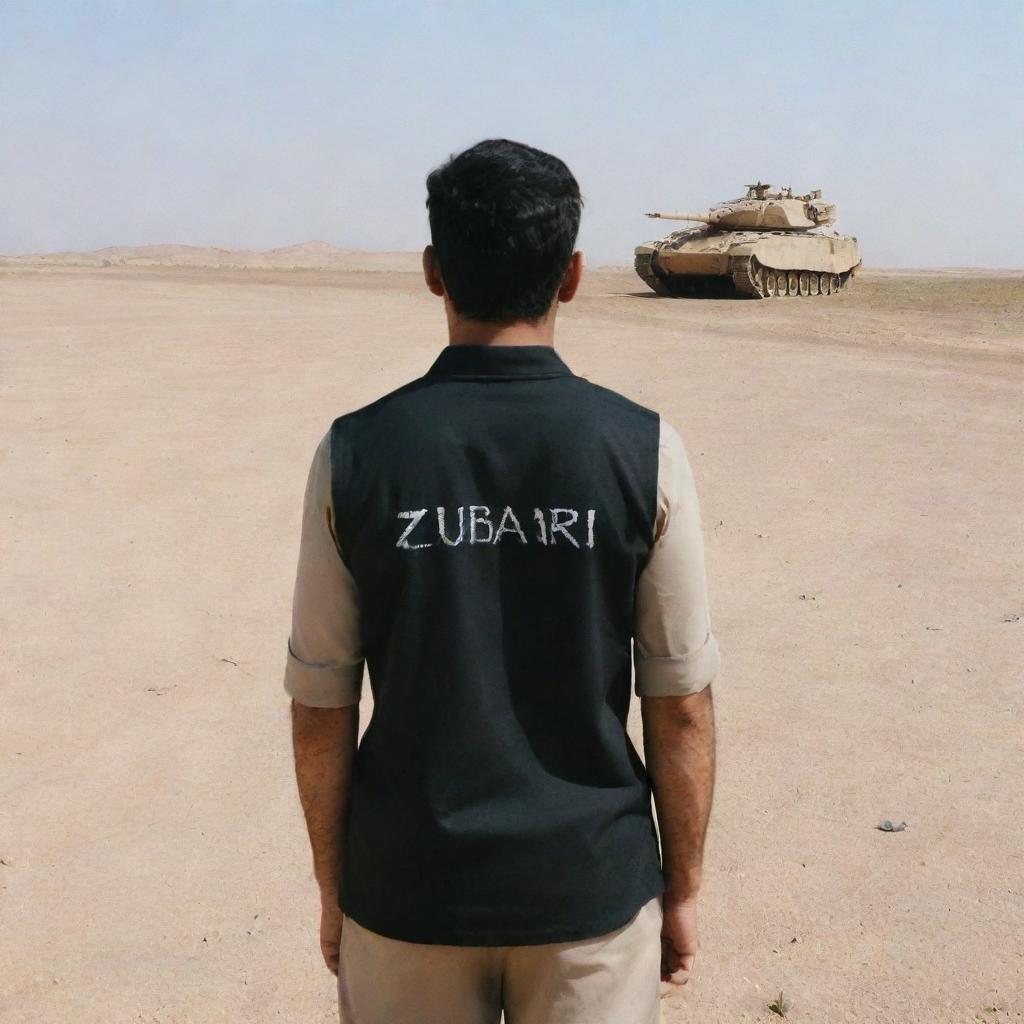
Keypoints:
pixel 710 217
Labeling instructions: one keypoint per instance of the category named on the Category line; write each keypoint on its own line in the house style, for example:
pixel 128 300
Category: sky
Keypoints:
pixel 257 124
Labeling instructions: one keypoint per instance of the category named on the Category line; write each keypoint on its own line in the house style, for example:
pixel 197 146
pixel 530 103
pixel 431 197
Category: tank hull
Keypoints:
pixel 755 264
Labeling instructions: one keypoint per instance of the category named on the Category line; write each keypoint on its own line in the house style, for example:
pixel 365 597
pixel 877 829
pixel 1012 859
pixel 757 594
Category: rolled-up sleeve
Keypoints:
pixel 674 651
pixel 324 662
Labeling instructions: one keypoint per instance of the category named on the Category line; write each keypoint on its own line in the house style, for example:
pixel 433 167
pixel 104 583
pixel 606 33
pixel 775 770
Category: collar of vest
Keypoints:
pixel 488 362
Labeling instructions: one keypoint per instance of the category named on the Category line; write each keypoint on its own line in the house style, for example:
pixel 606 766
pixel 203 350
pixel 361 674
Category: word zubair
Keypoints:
pixel 546 526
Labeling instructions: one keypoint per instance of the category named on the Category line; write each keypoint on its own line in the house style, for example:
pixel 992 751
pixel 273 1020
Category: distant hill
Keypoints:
pixel 305 255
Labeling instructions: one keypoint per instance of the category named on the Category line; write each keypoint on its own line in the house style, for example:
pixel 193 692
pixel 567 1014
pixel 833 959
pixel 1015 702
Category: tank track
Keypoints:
pixel 679 287
pixel 748 278
pixel 646 270
pixel 753 280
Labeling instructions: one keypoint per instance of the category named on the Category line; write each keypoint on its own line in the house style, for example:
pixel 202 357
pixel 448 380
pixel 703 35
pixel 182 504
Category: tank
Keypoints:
pixel 767 244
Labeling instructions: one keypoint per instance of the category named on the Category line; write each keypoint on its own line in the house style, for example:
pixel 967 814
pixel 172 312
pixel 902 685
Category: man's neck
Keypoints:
pixel 520 332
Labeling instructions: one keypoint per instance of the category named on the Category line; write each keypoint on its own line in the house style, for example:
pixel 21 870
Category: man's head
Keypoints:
pixel 503 222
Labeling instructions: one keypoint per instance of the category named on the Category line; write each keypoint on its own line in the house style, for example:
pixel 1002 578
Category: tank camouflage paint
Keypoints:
pixel 767 244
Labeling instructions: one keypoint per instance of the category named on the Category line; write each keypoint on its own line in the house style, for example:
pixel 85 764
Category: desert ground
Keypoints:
pixel 858 459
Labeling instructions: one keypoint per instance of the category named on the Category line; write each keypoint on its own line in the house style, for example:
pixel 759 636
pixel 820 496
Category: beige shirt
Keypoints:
pixel 674 650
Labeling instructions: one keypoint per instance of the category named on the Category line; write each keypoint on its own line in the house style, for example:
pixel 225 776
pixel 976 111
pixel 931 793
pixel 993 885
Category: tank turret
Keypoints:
pixel 764 243
pixel 763 210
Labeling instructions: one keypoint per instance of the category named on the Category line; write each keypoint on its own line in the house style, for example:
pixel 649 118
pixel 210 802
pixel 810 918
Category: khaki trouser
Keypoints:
pixel 610 979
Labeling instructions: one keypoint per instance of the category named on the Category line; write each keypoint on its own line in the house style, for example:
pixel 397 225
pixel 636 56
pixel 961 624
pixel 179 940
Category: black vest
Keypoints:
pixel 495 515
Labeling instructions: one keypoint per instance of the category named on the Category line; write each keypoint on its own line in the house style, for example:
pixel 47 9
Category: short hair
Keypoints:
pixel 503 221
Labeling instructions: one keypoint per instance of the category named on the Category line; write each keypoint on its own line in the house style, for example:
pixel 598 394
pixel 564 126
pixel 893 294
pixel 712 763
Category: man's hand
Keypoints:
pixel 331 921
pixel 678 939
pixel 679 741
pixel 325 740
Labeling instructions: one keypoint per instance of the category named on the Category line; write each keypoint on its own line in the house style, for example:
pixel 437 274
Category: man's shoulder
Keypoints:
pixel 669 438
pixel 615 400
pixel 386 405
pixel 575 401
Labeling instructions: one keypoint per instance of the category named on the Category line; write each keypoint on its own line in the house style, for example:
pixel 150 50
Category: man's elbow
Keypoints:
pixel 684 711
pixel 311 723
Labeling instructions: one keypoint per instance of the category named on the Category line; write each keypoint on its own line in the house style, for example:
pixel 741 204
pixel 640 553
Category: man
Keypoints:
pixel 492 540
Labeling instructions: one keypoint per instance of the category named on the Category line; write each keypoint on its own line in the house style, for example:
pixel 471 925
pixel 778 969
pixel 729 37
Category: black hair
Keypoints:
pixel 503 221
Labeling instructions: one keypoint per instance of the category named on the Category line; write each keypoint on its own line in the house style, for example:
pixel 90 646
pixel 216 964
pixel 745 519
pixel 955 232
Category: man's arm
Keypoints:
pixel 679 742
pixel 323 676
pixel 324 741
pixel 676 657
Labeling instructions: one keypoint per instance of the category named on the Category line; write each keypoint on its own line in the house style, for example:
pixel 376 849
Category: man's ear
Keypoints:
pixel 573 275
pixel 432 272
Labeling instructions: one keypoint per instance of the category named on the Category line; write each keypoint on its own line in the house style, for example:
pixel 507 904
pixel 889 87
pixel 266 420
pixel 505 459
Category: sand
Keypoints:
pixel 858 460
